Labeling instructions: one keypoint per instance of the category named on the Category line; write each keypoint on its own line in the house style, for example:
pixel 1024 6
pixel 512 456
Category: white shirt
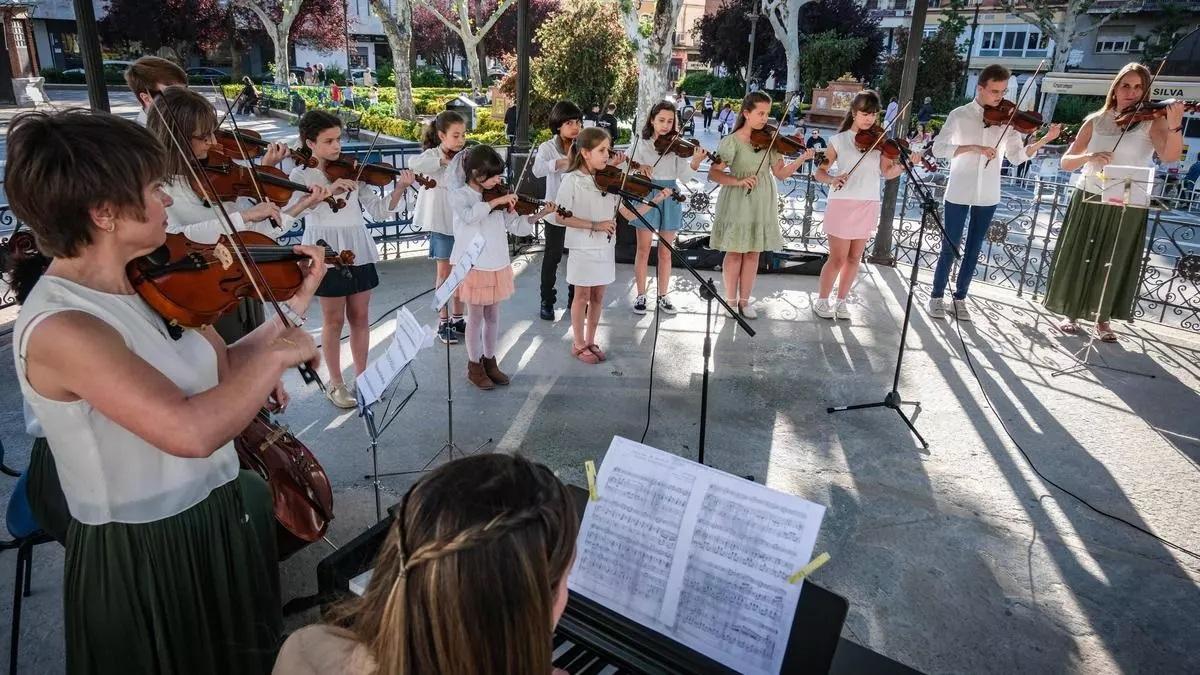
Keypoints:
pixel 670 167
pixel 432 213
pixel 971 182
pixel 579 195
pixel 892 109
pixel 188 215
pixel 548 154
pixel 344 230
pixel 474 216
pixel 1135 149
pixel 108 473
pixel 863 184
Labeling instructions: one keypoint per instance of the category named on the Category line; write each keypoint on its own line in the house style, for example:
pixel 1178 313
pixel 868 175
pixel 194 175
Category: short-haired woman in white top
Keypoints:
pixel 592 264
pixel 169 565
pixel 852 210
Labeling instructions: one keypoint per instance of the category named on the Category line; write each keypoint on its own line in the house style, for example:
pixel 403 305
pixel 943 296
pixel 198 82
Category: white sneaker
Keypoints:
pixel 960 310
pixel 822 309
pixel 748 312
pixel 842 311
pixel 937 308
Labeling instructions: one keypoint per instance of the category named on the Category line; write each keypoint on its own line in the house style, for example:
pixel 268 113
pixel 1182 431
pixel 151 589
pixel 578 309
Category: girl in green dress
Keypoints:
pixel 747 220
pixel 1083 284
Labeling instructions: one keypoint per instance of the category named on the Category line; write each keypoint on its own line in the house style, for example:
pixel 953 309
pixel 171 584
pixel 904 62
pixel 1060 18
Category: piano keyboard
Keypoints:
pixel 577 659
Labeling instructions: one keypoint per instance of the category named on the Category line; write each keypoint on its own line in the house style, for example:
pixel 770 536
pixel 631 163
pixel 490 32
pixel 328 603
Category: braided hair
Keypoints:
pixel 467 578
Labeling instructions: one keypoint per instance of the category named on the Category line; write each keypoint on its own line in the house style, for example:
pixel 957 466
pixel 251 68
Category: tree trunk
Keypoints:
pixel 1062 49
pixel 481 46
pixel 472 54
pixel 652 84
pixel 279 39
pixel 398 30
pixel 792 49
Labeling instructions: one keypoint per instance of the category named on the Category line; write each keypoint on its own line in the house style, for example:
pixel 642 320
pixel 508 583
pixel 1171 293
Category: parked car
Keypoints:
pixel 207 73
pixel 117 67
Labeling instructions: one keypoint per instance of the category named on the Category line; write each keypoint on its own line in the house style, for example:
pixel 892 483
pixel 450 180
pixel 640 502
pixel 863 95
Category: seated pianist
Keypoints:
pixel 471 579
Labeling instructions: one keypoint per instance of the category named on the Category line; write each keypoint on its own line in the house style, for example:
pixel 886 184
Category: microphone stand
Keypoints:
pixel 928 214
pixel 708 291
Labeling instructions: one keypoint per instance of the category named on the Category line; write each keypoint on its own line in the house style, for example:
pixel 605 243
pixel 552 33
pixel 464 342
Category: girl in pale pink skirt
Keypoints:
pixel 490 280
pixel 852 209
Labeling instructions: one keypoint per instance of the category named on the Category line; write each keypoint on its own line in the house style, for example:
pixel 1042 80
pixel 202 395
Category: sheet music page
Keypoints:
pixel 458 272
pixel 696 554
pixel 409 338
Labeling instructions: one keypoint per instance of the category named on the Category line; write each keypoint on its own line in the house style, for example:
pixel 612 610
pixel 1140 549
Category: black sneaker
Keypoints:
pixel 664 303
pixel 639 305
pixel 547 312
pixel 459 325
pixel 447 335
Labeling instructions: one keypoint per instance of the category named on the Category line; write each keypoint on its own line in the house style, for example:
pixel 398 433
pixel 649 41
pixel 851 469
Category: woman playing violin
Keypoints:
pixel 854 165
pixel 747 220
pixel 665 170
pixel 184 121
pixel 169 557
pixel 1092 232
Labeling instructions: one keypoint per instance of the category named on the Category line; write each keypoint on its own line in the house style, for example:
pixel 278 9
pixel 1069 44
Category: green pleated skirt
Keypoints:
pixel 197 592
pixel 1085 245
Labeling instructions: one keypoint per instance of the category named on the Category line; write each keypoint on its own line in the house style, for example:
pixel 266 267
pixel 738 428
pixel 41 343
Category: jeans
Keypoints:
pixel 555 236
pixel 956 217
pixel 707 117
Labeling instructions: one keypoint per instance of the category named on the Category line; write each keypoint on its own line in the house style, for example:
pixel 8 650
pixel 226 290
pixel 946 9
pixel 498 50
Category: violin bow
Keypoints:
pixel 257 281
pixel 1149 88
pixel 237 137
pixel 1016 108
pixel 778 129
pixel 879 140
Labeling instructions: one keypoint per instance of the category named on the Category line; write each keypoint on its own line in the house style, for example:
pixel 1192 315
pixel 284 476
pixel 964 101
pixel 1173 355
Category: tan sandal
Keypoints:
pixel 584 354
pixel 1105 332
pixel 1069 327
pixel 595 349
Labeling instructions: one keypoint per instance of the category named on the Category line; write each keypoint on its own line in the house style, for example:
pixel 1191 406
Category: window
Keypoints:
pixel 1117 40
pixel 18 33
pixel 1013 42
pixel 990 44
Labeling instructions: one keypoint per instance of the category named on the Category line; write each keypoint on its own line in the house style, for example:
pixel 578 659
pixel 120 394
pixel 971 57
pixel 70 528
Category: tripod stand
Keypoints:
pixel 376 427
pixel 708 291
pixel 1082 355
pixel 928 214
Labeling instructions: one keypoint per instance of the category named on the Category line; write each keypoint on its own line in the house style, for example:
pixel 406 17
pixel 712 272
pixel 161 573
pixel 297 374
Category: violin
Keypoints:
pixel 247 144
pixel 783 144
pixel 1005 112
pixel 192 284
pixel 682 147
pixel 610 179
pixel 378 174
pixel 231 181
pixel 892 148
pixel 525 206
pixel 1146 111
pixel 301 495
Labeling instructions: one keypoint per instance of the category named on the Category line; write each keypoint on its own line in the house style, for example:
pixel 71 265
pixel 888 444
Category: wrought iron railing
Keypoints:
pixel 1016 254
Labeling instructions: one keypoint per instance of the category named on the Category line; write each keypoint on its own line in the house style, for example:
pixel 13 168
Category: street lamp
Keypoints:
pixel 753 17
pixel 970 45
pixel 346 15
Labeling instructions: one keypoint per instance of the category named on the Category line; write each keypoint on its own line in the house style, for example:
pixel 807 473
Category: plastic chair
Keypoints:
pixel 26 534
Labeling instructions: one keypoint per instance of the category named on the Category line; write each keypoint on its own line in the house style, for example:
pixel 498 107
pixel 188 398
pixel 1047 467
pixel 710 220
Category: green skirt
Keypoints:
pixel 747 223
pixel 197 592
pixel 1085 245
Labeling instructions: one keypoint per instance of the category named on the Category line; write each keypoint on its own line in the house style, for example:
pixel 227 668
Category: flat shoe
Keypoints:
pixel 584 354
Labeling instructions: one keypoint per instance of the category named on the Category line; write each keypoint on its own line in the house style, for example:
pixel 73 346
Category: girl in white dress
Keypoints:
pixel 443 138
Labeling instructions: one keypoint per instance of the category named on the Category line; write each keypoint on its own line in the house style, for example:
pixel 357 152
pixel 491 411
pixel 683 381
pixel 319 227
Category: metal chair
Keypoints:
pixel 25 533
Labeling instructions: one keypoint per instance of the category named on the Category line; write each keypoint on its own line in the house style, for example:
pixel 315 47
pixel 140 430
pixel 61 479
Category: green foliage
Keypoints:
pixel 585 58
pixel 696 83
pixel 428 76
pixel 826 56
pixel 1072 108
pixel 938 74
pixel 335 74
pixel 385 74
pixel 1174 20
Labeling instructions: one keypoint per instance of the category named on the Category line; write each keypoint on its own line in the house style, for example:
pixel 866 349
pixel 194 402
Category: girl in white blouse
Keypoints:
pixel 490 280
pixel 665 170
pixel 592 264
pixel 852 213
pixel 344 297
pixel 443 138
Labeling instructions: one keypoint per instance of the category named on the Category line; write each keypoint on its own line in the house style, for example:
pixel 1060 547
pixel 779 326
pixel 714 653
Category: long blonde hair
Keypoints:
pixel 1110 101
pixel 195 117
pixel 588 139
pixel 466 580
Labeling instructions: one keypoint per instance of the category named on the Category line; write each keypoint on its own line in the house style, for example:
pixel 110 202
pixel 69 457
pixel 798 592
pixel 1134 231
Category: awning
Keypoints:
pixel 1097 84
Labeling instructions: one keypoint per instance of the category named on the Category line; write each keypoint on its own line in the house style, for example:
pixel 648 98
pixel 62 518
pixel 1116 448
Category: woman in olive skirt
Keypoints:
pixel 1093 233
pixel 169 566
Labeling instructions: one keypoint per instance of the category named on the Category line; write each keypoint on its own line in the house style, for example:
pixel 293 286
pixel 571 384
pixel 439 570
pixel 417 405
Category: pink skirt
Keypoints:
pixel 851 218
pixel 482 287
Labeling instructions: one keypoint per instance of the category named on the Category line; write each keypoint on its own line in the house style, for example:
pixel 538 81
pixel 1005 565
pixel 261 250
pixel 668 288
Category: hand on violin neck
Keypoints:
pixel 405 179
pixel 317 194
pixel 1053 133
pixel 260 212
pixel 662 195
pixel 617 158
pixel 274 155
pixel 507 201
pixel 314 271
pixel 343 186
pixel 548 207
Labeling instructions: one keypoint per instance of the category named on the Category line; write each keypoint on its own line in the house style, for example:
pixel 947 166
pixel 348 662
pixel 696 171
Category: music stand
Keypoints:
pixel 390 409
pixel 1127 190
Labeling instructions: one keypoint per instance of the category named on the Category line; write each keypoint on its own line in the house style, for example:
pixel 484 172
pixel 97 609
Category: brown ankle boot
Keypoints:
pixel 493 370
pixel 477 375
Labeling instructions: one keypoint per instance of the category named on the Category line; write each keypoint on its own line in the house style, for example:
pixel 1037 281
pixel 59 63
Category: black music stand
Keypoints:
pixel 392 404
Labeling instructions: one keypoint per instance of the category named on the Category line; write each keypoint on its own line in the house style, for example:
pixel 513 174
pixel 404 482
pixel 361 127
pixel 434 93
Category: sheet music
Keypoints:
pixel 409 338
pixel 458 272
pixel 696 554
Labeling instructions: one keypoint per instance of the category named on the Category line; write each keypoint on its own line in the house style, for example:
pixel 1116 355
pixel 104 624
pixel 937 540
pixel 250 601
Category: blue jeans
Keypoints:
pixel 956 217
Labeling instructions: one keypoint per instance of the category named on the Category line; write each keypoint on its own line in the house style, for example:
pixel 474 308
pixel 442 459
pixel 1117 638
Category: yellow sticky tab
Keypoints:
pixel 590 468
pixel 809 568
